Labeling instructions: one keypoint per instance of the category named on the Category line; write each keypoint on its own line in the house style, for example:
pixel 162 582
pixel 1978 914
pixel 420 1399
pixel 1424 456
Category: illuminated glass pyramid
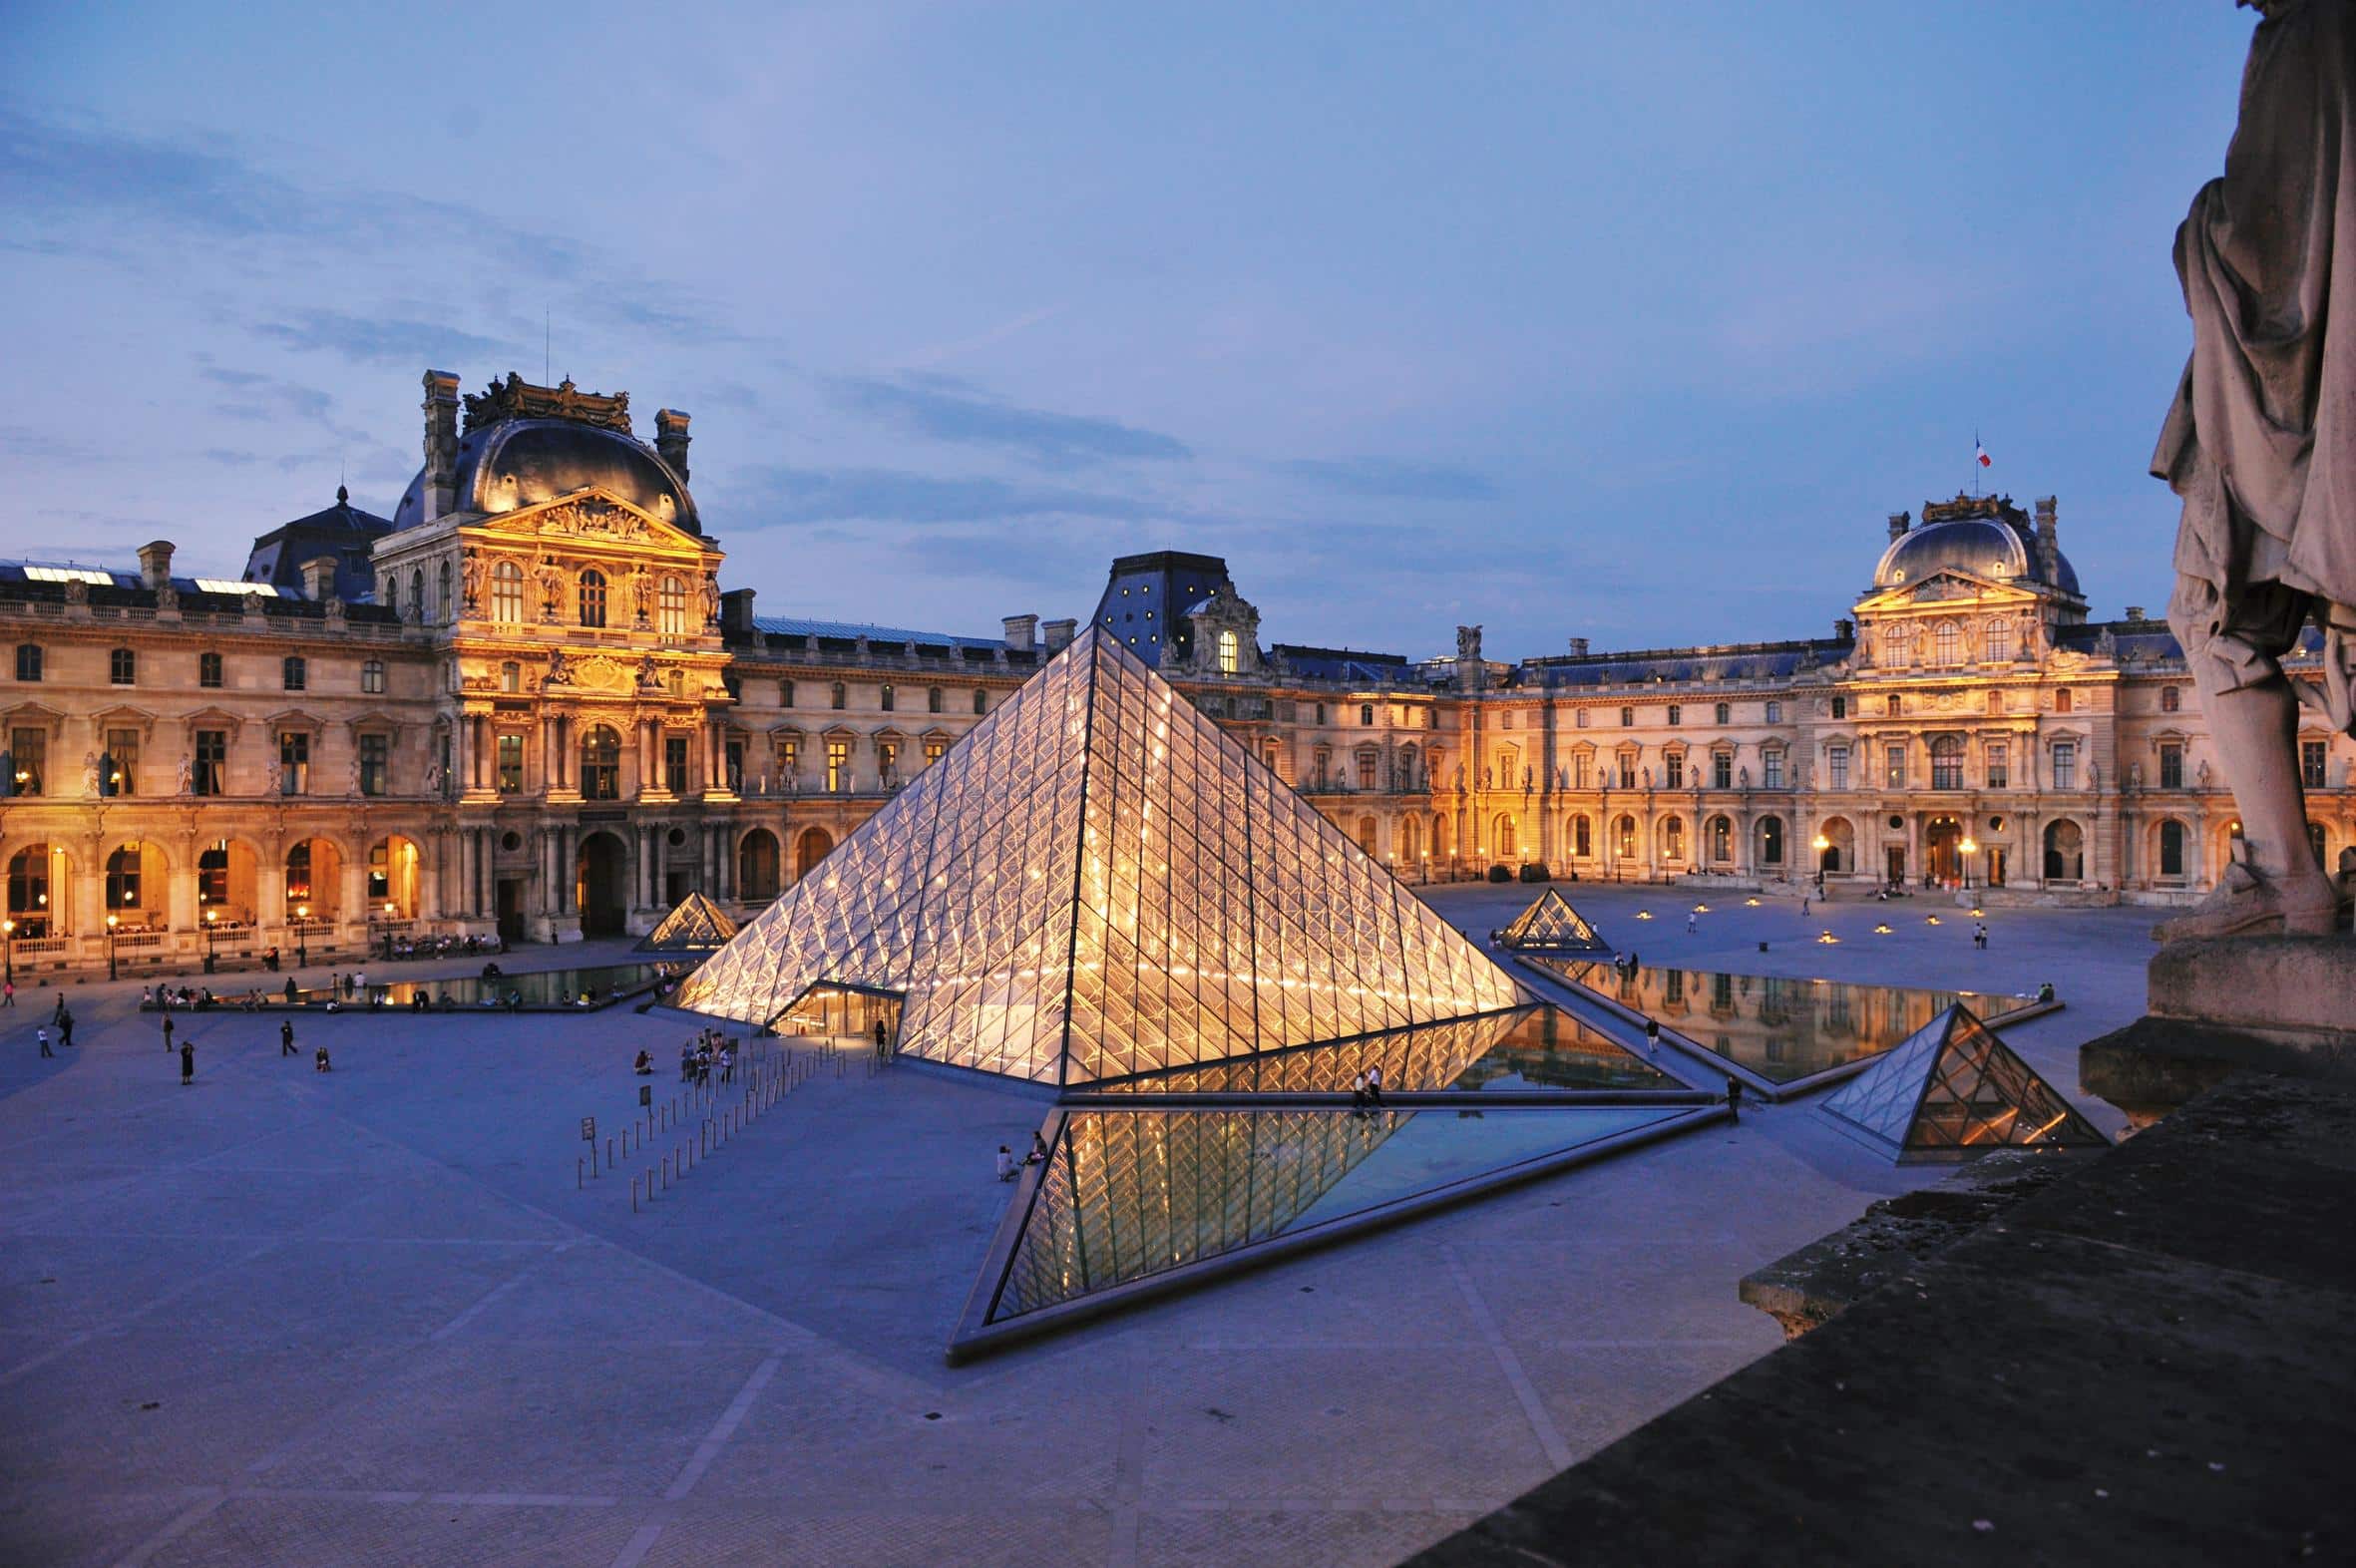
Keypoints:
pixel 1952 1090
pixel 1096 882
pixel 1552 925
pixel 694 925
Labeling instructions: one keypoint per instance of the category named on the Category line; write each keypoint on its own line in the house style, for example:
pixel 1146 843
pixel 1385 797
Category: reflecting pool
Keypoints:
pixel 538 989
pixel 1782 1029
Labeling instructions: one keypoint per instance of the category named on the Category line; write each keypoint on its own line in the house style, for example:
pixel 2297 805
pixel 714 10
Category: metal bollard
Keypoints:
pixel 667 1171
pixel 609 1153
pixel 576 1173
pixel 633 1195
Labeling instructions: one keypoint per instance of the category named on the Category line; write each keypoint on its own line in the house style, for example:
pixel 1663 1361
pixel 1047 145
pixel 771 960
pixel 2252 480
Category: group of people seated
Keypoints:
pixel 1010 1167
pixel 165 997
pixel 440 947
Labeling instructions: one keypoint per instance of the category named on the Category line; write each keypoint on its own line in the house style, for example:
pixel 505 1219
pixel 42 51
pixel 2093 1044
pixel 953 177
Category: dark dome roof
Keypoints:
pixel 1983 547
pixel 525 461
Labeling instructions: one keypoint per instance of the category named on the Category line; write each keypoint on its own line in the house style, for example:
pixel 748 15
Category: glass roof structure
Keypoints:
pixel 1952 1090
pixel 694 925
pixel 1097 882
pixel 1551 926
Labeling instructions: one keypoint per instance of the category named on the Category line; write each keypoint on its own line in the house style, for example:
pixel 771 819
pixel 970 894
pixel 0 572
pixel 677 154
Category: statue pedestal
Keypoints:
pixel 2281 1005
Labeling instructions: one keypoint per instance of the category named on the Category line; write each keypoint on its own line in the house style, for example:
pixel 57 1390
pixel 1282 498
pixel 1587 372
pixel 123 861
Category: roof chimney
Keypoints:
pixel 1899 522
pixel 1578 647
pixel 319 578
pixel 1058 634
pixel 1022 632
pixel 2134 612
pixel 736 613
pixel 1845 631
pixel 670 440
pixel 155 563
pixel 441 443
pixel 2049 540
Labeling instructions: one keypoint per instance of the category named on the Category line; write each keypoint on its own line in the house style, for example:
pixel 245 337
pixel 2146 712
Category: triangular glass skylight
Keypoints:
pixel 694 925
pixel 1098 882
pixel 1952 1089
pixel 1550 925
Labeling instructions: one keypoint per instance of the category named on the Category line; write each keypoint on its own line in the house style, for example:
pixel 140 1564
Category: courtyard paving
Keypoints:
pixel 370 1318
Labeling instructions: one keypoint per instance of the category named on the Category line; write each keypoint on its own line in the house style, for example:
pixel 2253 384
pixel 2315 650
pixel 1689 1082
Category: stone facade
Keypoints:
pixel 548 720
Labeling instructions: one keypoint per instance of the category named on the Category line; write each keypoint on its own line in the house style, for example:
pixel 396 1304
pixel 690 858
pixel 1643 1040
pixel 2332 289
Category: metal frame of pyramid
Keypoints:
pixel 1952 1090
pixel 1096 882
pixel 1550 925
pixel 694 925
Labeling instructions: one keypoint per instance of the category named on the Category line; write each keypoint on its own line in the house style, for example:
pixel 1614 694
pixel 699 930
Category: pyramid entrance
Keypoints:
pixel 1953 1091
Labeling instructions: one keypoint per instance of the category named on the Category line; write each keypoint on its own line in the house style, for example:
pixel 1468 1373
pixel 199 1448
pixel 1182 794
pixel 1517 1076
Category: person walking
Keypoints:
pixel 167 1032
pixel 286 1037
pixel 188 1062
pixel 8 995
pixel 1375 1087
pixel 42 1034
pixel 883 1037
pixel 1803 904
pixel 65 1025
pixel 1693 922
pixel 1652 1035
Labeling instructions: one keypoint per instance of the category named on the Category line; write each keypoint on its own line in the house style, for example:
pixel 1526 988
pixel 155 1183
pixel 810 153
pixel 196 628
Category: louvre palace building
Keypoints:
pixel 525 704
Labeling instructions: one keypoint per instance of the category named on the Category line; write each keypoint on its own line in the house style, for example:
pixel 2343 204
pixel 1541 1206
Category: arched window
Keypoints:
pixel 600 764
pixel 1770 841
pixel 126 879
pixel 1411 841
pixel 670 608
pixel 28 891
pixel 1722 839
pixel 507 594
pixel 1946 762
pixel 1366 834
pixel 2172 848
pixel 1999 641
pixel 212 876
pixel 757 867
pixel 449 606
pixel 592 597
pixel 1672 839
pixel 417 594
pixel 1946 644
pixel 1229 653
pixel 1503 838
pixel 1624 837
pixel 2065 853
pixel 932 699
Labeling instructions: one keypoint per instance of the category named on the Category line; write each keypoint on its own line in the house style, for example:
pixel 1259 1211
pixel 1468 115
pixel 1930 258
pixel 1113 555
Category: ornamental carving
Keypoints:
pixel 516 398
pixel 592 516
pixel 599 673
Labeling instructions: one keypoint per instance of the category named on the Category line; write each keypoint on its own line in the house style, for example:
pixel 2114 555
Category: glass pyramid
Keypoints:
pixel 694 925
pixel 1952 1089
pixel 1551 926
pixel 1097 882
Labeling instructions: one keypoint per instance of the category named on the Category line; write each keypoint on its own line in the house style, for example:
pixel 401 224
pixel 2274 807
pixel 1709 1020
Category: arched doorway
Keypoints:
pixel 2065 852
pixel 1366 835
pixel 1721 840
pixel 1503 838
pixel 315 880
pixel 392 878
pixel 1673 838
pixel 757 867
pixel 36 891
pixel 601 892
pixel 1942 849
pixel 811 848
pixel 1770 842
pixel 227 872
pixel 134 886
pixel 1837 850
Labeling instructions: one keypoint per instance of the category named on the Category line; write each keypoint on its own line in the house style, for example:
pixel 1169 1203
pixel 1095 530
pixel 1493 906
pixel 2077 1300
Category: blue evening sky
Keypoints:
pixel 1617 320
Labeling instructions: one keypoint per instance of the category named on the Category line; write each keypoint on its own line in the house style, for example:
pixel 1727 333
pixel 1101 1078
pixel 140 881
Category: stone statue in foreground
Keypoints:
pixel 2261 445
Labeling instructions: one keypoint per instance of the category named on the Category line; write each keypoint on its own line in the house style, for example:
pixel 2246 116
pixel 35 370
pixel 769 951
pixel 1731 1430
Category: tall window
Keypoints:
pixel 208 669
pixel 1628 718
pixel 1841 707
pixel 28 890
pixel 935 750
pixel 592 597
pixel 28 661
pixel 294 673
pixel 2172 848
pixel 670 608
pixel 209 765
pixel 28 757
pixel 119 768
pixel 674 764
pixel 732 766
pixel 1893 769
pixel 1995 703
pixel 2311 754
pixel 837 696
pixel 448 608
pixel 1673 768
pixel 1893 705
pixel 1675 714
pixel 417 594
pixel 1366 716
pixel 2000 771
pixel 601 765
pixel 2170 699
pixel 1836 767
pixel 1724 712
pixel 511 676
pixel 376 764
pixel 980 700
pixel 1722 839
pixel 294 762
pixel 789 759
pixel 511 764
pixel 123 878
pixel 838 766
pixel 1582 836
pixel 372 677
pixel 1770 764
pixel 785 693
pixel 298 876
pixel 884 693
pixel 507 594
pixel 1367 763
pixel 123 667
pixel 1628 771
pixel 932 699
pixel 2062 700
pixel 2000 641
pixel 1774 712
pixel 1770 841
pixel 888 763
pixel 1722 771
pixel 213 874
pixel 2172 767
pixel 1946 644
pixel 1947 762
pixel 1229 653
pixel 2065 764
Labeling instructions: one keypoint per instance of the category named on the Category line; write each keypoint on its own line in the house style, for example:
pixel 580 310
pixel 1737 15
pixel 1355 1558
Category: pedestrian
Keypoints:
pixel 1006 1166
pixel 65 1025
pixel 644 1065
pixel 883 1036
pixel 286 1037
pixel 1733 1100
pixel 1632 964
pixel 1375 1087
pixel 188 1062
pixel 168 1031
pixel 1693 922
pixel 1652 1035
pixel 320 1063
pixel 1038 1149
pixel 686 1061
pixel 290 990
pixel 1357 1092
pixel 42 1034
pixel 8 995
pixel 1803 904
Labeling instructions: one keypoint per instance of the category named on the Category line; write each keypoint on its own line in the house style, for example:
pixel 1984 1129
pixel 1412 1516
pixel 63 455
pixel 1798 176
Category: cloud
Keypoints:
pixel 381 340
pixel 940 408
pixel 1391 479
pixel 774 496
pixel 230 459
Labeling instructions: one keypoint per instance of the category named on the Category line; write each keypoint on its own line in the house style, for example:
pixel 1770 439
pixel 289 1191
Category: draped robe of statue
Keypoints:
pixel 2261 440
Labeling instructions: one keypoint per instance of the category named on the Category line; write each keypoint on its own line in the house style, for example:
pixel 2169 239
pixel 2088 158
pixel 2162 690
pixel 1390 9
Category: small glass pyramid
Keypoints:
pixel 1551 926
pixel 694 925
pixel 1098 882
pixel 1952 1090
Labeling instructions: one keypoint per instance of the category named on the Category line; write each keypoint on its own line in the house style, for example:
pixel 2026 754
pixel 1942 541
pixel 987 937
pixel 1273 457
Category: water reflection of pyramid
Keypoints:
pixel 694 925
pixel 1550 925
pixel 1095 882
pixel 1952 1089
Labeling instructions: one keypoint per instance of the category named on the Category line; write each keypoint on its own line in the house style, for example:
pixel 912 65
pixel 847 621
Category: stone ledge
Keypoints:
pixel 2300 990
pixel 2148 1361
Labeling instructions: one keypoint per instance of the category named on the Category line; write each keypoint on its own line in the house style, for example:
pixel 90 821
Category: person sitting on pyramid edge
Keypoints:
pixel 2260 444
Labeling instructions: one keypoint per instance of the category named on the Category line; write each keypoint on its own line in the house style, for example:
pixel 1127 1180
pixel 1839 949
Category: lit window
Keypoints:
pixel 1229 657
pixel 511 764
pixel 376 764
pixel 507 594
pixel 28 758
pixel 592 597
pixel 838 766
pixel 670 608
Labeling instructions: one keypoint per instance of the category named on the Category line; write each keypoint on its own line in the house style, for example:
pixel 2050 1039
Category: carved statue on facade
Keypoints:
pixel 271 777
pixel 711 598
pixel 470 572
pixel 551 589
pixel 560 669
pixel 649 678
pixel 642 594
pixel 187 774
pixel 2265 399
pixel 433 778
pixel 90 774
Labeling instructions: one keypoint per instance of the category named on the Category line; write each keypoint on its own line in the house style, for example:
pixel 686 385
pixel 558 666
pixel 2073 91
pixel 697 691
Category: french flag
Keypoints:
pixel 1980 454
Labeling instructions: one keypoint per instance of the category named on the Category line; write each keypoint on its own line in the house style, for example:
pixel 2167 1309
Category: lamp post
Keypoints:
pixel 1969 849
pixel 113 921
pixel 302 931
pixel 8 946
pixel 210 953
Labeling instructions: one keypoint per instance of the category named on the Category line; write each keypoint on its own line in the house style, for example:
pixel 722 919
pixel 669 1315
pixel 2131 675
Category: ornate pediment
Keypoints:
pixel 592 516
